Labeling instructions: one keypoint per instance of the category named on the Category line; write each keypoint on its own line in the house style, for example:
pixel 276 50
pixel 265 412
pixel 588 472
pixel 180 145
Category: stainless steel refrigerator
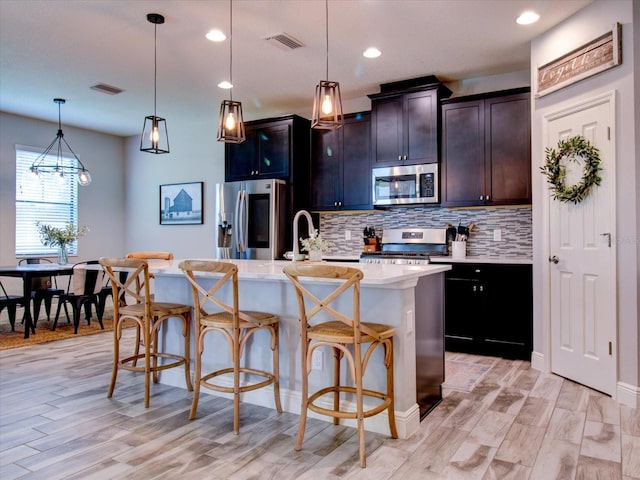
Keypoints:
pixel 251 219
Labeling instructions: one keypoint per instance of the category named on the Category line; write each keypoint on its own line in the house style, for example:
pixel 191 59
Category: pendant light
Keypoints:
pixel 230 123
pixel 327 103
pixel 155 138
pixel 59 168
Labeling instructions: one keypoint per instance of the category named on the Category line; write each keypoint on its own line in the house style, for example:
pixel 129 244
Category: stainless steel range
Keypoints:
pixel 409 246
pixel 414 246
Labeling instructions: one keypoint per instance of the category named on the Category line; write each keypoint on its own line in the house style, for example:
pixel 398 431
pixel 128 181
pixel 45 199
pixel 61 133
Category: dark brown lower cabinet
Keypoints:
pixel 489 310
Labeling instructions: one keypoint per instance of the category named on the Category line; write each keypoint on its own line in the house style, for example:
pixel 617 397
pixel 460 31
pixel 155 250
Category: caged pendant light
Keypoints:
pixel 230 123
pixel 155 138
pixel 327 103
pixel 59 167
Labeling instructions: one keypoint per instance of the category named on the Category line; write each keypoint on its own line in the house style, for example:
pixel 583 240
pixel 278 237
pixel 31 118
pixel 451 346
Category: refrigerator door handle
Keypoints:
pixel 240 222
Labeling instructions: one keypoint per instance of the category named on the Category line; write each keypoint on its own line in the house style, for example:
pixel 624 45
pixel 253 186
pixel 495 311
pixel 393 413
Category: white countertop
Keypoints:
pixel 374 274
pixel 480 259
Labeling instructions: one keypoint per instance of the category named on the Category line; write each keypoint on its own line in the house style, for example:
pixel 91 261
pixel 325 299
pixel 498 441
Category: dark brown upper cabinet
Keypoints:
pixel 405 122
pixel 486 149
pixel 341 165
pixel 269 150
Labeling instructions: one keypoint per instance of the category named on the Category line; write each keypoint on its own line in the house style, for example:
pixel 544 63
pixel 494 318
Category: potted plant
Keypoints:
pixel 315 245
pixel 60 237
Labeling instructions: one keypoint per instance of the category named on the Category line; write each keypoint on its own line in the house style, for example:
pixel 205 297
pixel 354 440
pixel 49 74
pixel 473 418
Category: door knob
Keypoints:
pixel 554 259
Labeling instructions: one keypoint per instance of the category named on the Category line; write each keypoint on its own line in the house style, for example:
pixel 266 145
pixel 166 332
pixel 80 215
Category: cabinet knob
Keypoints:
pixel 481 197
pixel 335 204
pixel 481 288
pixel 487 198
pixel 339 204
pixel 400 157
pixel 554 259
pixel 475 288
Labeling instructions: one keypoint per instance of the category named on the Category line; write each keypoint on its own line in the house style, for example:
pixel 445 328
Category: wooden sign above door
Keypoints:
pixel 594 57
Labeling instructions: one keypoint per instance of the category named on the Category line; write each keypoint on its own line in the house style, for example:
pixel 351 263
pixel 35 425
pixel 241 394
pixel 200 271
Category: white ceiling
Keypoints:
pixel 59 48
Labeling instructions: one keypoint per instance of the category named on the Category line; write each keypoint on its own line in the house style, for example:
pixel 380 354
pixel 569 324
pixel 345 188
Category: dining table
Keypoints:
pixel 27 273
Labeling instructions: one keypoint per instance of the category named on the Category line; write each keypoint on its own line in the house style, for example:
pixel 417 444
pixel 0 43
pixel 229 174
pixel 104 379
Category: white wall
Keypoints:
pixel 101 205
pixel 586 25
pixel 195 156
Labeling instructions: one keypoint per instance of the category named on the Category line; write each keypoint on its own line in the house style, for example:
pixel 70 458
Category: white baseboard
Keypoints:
pixel 407 422
pixel 627 394
pixel 537 361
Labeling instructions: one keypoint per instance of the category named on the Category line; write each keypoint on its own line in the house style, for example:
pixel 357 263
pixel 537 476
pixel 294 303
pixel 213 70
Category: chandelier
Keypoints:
pixel 44 164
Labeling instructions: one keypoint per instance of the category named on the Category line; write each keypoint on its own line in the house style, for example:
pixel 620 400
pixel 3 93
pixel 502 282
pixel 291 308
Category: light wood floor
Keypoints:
pixel 57 423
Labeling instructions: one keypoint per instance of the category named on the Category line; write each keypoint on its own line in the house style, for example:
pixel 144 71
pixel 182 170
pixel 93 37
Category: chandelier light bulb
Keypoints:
pixel 155 135
pixel 327 105
pixel 84 178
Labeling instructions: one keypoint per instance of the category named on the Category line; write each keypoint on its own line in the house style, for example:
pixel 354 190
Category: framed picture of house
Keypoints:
pixel 181 203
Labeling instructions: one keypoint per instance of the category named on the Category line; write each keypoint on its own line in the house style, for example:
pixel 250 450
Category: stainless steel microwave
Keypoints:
pixel 405 185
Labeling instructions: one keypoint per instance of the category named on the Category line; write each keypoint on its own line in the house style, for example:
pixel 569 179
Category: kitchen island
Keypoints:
pixel 410 298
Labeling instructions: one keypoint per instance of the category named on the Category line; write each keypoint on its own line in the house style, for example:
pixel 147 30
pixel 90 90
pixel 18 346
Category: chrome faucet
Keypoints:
pixel 310 228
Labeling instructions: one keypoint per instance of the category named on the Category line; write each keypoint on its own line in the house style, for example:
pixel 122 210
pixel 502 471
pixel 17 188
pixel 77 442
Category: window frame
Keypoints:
pixel 31 206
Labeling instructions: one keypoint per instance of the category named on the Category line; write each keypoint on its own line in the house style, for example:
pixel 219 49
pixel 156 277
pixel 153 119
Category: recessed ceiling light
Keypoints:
pixel 372 52
pixel 216 36
pixel 226 85
pixel 527 18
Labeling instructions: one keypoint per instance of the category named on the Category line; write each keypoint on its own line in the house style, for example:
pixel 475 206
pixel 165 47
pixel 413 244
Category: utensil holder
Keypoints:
pixel 458 249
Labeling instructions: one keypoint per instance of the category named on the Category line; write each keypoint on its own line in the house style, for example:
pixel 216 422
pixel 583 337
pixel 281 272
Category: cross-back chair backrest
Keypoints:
pixel 208 298
pixel 310 305
pixel 150 255
pixel 134 285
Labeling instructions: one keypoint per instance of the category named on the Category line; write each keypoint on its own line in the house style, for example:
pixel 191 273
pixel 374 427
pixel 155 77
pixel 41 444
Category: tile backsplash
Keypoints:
pixel 514 222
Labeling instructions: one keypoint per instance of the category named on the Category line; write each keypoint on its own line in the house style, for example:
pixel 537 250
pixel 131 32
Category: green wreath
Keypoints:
pixel 555 172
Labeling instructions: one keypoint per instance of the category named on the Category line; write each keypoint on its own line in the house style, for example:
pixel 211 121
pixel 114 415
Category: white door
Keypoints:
pixel 582 255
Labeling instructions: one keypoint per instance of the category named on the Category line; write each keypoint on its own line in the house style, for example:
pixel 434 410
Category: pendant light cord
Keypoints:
pixel 231 49
pixel 59 118
pixel 155 66
pixel 326 17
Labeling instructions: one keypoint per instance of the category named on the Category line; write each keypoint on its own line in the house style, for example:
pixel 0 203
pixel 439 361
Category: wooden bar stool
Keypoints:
pixel 148 316
pixel 237 327
pixel 342 334
pixel 146 255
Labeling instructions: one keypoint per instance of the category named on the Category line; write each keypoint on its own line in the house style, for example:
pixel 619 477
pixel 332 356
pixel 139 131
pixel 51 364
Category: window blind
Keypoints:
pixel 46 198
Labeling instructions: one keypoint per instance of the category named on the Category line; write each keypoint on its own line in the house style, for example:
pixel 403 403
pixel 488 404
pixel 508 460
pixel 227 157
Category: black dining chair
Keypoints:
pixel 11 302
pixel 43 289
pixel 82 291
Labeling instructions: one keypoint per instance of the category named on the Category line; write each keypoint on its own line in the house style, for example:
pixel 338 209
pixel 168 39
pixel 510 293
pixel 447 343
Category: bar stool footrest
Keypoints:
pixel 270 379
pixel 386 401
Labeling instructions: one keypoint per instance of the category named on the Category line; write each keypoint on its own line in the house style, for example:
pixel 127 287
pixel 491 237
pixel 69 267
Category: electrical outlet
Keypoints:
pixel 316 360
pixel 497 235
pixel 347 234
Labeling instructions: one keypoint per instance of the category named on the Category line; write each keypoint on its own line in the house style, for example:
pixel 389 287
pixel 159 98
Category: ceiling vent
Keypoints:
pixel 108 89
pixel 284 41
